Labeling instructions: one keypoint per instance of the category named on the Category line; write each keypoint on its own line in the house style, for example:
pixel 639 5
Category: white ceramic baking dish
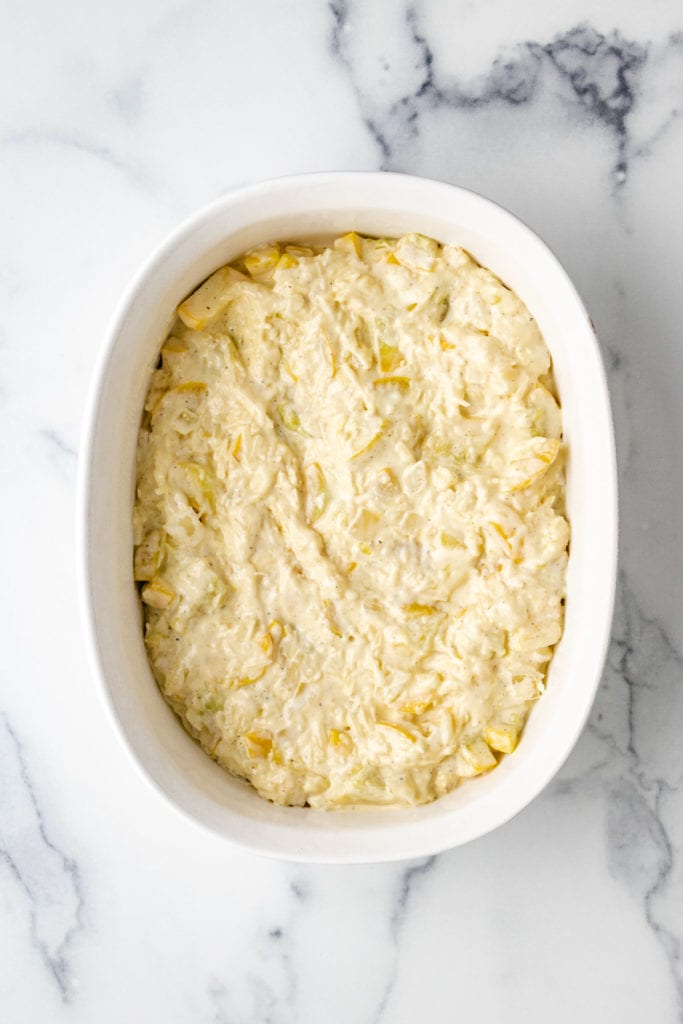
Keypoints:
pixel 300 208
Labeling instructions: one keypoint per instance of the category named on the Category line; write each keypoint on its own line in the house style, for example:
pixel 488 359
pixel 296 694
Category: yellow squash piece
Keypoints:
pixel 547 416
pixel 399 729
pixel 478 757
pixel 197 483
pixel 340 739
pixel 385 480
pixel 257 744
pixel 210 299
pixel 351 242
pixel 261 262
pixel 419 609
pixel 370 444
pixel 173 345
pixel 158 594
pixel 389 357
pixel 501 737
pixel 417 252
pixel 172 353
pixel 277 630
pixel 248 680
pixel 542 452
pixel 300 251
pixel 416 707
pixel 190 392
pixel 267 644
pixel 449 541
pixel 287 261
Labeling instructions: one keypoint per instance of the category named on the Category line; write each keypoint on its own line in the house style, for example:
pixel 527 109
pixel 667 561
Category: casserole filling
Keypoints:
pixel 349 528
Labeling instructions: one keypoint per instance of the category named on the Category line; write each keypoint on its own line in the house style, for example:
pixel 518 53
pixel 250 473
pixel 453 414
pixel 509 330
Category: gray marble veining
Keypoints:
pixel 48 878
pixel 598 75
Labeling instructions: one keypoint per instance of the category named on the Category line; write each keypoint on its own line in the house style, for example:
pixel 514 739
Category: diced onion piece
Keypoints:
pixel 365 524
pixel 210 298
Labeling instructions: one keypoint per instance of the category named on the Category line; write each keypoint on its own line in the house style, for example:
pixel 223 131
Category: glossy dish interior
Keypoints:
pixel 318 207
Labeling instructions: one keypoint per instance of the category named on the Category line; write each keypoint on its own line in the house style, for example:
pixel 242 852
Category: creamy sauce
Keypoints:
pixel 349 529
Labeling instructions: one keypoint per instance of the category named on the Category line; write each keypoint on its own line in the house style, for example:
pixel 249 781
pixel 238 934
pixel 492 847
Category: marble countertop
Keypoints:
pixel 117 121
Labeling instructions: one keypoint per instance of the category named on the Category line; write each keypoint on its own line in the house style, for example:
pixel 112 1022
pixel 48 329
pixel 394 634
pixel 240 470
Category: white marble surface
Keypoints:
pixel 117 120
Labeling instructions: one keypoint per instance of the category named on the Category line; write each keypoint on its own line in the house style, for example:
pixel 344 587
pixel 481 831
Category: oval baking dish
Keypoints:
pixel 311 207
